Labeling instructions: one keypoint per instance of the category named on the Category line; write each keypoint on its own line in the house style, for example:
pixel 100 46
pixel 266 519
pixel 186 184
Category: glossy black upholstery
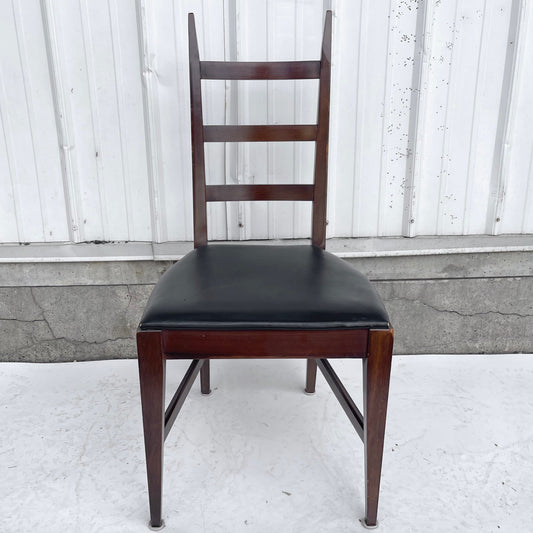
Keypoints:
pixel 235 286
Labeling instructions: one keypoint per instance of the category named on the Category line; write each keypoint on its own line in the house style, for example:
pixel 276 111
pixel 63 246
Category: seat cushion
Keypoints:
pixel 235 287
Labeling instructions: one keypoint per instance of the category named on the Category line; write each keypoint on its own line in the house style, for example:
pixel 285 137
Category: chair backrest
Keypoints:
pixel 319 132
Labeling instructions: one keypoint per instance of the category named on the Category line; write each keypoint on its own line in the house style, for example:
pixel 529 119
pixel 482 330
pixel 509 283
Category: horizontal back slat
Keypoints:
pixel 256 70
pixel 228 193
pixel 298 132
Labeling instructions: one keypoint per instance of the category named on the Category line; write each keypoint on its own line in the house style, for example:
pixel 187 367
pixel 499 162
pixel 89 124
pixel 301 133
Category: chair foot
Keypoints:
pixel 156 528
pixel 366 526
pixel 309 393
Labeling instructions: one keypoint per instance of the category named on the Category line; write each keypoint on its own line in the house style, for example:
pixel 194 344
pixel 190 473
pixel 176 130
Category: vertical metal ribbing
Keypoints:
pixel 64 127
pixel 151 125
pixel 500 166
pixel 424 32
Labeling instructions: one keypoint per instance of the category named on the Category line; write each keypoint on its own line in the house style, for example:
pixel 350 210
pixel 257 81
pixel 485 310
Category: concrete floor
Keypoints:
pixel 259 456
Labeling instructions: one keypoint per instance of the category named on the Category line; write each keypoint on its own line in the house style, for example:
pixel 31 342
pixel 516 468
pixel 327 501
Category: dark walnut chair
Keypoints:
pixel 224 301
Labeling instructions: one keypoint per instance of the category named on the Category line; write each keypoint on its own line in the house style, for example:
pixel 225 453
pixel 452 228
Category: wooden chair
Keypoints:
pixel 263 301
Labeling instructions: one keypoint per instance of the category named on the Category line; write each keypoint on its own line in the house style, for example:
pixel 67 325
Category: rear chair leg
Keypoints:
pixel 311 376
pixel 152 379
pixel 205 379
pixel 376 377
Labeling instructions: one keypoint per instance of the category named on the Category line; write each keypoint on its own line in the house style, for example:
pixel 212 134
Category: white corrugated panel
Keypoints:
pixel 463 86
pixel 276 31
pixel 516 206
pixel 165 49
pixel 94 63
pixel 430 118
pixel 373 65
pixel 32 203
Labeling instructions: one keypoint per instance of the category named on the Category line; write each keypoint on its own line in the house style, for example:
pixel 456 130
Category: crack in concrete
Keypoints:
pixel 72 341
pixel 24 321
pixel 66 339
pixel 41 309
pixel 481 313
pixel 78 342
pixel 49 338
pixel 37 304
pixel 130 301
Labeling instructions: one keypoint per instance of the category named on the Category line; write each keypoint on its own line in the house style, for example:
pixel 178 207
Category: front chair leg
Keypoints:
pixel 310 382
pixel 152 379
pixel 376 377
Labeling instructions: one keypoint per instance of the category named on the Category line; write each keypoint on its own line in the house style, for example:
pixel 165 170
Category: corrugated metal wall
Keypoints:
pixel 432 106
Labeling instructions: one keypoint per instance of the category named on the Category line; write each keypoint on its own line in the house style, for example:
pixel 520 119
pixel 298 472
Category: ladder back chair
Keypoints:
pixel 226 301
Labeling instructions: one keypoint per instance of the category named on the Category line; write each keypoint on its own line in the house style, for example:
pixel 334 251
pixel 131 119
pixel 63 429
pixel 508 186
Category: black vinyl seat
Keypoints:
pixel 232 286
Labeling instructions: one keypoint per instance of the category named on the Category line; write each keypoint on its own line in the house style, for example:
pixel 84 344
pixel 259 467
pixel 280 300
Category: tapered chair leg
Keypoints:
pixel 152 379
pixel 205 379
pixel 376 377
pixel 310 382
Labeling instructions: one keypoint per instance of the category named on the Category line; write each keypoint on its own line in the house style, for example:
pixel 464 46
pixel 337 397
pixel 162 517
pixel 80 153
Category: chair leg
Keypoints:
pixel 376 377
pixel 310 384
pixel 205 378
pixel 152 365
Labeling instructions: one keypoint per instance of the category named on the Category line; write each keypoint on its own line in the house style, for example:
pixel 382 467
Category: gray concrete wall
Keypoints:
pixel 453 303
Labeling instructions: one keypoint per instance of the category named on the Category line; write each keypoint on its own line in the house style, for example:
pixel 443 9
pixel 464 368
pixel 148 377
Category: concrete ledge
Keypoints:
pixel 343 247
pixel 444 303
pixel 449 266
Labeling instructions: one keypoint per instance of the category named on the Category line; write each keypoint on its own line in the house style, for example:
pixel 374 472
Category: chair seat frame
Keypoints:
pixel 155 347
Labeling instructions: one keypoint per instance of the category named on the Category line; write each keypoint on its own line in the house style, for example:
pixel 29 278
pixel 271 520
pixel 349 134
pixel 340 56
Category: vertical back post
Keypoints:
pixel 197 139
pixel 318 235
